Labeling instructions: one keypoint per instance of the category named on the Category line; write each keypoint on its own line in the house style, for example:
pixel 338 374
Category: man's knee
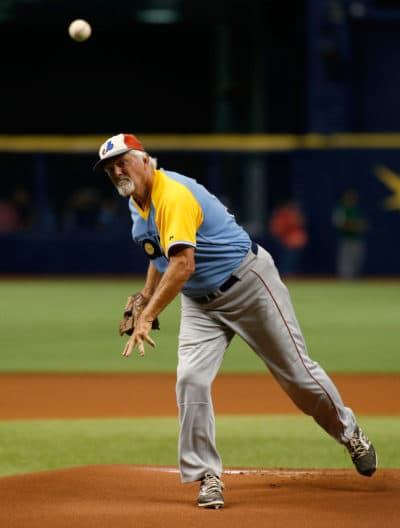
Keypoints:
pixel 192 388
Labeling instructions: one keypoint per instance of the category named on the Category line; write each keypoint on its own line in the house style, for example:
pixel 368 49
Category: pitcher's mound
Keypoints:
pixel 123 496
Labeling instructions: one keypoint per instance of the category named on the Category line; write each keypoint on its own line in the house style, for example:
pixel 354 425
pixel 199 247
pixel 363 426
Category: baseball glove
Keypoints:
pixel 133 308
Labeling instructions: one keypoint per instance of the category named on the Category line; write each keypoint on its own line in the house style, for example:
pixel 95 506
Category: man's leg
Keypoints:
pixel 259 309
pixel 202 343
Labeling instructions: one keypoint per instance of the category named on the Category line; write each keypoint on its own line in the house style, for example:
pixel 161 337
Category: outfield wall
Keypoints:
pixel 251 173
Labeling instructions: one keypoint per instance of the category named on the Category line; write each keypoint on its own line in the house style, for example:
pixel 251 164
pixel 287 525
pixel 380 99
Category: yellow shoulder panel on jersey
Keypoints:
pixel 178 214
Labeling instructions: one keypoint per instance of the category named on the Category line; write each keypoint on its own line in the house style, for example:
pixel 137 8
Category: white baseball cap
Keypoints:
pixel 116 145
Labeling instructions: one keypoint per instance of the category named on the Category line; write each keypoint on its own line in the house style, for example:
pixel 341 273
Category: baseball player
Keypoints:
pixel 229 286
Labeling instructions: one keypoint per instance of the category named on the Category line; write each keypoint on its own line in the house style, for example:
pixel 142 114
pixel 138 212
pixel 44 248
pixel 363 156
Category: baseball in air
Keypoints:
pixel 79 30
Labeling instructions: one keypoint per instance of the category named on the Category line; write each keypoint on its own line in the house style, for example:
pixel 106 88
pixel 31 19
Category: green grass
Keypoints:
pixel 71 325
pixel 350 327
pixel 243 441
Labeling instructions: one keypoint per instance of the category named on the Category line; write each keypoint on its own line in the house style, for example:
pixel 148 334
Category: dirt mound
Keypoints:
pixel 123 496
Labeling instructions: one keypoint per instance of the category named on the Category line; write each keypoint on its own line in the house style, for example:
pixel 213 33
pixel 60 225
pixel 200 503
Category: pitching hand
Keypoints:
pixel 138 337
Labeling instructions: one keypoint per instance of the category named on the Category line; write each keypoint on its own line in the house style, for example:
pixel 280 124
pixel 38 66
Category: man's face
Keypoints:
pixel 125 172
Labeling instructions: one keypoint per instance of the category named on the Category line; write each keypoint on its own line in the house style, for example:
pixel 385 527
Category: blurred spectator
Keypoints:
pixel 287 226
pixel 83 210
pixel 16 211
pixel 23 203
pixel 108 218
pixel 351 227
pixel 9 218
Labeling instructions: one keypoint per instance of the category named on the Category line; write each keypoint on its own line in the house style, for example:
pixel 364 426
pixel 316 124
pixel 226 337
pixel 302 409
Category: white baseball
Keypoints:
pixel 79 30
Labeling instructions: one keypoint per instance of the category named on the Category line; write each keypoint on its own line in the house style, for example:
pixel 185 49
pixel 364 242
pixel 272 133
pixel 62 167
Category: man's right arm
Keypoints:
pixel 180 268
pixel 153 278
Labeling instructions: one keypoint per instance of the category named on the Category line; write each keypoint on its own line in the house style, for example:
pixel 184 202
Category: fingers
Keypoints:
pixel 137 339
pixel 149 340
pixel 128 348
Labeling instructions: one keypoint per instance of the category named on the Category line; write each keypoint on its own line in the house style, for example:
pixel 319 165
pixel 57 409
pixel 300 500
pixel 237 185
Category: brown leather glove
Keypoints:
pixel 133 308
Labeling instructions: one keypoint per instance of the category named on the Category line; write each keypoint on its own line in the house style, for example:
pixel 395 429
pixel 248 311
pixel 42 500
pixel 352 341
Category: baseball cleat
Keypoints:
pixel 210 495
pixel 362 453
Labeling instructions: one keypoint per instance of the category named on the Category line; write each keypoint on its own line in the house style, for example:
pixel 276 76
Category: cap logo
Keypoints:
pixel 109 146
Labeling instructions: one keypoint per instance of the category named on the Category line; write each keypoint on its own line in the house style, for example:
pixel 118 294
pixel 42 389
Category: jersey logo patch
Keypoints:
pixel 151 249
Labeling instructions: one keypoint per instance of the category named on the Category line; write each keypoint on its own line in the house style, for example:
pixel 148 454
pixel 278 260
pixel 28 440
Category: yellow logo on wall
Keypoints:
pixel 392 181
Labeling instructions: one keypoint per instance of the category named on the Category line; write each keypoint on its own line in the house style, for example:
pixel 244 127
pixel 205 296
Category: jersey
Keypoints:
pixel 183 212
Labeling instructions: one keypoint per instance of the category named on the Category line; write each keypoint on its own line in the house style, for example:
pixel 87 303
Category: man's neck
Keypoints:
pixel 140 203
pixel 142 198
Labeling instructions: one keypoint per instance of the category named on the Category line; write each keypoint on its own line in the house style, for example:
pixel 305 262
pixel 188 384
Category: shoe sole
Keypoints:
pixel 216 505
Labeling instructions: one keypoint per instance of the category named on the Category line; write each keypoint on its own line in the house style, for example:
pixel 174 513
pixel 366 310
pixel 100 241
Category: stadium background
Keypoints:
pixel 260 102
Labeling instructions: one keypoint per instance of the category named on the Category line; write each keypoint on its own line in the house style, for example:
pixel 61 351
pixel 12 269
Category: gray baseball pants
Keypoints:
pixel 258 309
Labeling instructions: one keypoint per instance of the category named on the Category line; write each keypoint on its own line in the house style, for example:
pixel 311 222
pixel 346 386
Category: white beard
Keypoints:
pixel 125 187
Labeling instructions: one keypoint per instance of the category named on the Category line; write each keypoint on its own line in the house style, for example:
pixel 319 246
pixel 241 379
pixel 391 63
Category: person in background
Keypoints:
pixel 23 204
pixel 288 226
pixel 16 211
pixel 9 217
pixel 108 218
pixel 82 210
pixel 351 227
